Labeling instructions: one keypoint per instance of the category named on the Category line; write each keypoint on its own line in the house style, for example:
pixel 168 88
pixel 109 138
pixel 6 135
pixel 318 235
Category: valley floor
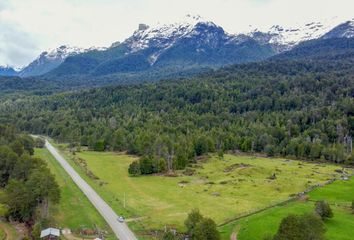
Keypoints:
pixel 221 188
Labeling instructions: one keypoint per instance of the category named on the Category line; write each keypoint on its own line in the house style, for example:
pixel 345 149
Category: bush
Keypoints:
pixel 134 168
pixel 206 230
pixel 99 146
pixel 39 142
pixel 301 227
pixel 146 165
pixel 200 228
pixel 194 217
pixel 353 206
pixel 323 210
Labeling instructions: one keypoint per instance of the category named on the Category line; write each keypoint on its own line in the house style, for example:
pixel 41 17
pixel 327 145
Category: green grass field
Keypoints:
pixel 74 210
pixel 340 227
pixel 221 189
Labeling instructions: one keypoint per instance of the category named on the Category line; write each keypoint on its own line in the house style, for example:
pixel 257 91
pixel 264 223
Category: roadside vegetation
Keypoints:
pixel 74 211
pixel 28 187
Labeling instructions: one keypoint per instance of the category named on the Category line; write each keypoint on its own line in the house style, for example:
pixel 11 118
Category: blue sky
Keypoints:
pixel 27 27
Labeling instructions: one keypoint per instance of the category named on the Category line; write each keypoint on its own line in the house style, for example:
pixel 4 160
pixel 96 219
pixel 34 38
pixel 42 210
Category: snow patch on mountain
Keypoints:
pixel 198 35
pixel 65 51
pixel 51 59
pixel 288 37
pixel 163 35
pixel 61 52
pixel 344 30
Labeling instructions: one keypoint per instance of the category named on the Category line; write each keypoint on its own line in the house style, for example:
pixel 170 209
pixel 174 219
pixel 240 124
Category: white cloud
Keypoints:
pixel 46 24
pixel 17 47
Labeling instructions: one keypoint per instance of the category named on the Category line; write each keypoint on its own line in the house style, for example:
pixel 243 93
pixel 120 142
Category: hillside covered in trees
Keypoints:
pixel 299 109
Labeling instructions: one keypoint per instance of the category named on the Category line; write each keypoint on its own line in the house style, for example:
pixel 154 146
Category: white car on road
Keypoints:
pixel 120 219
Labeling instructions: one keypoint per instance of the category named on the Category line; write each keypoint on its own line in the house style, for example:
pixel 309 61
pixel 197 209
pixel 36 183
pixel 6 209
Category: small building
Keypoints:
pixel 50 234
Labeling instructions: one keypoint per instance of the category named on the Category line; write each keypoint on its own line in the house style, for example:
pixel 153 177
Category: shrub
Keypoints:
pixel 99 146
pixel 301 227
pixel 323 210
pixel 146 165
pixel 200 228
pixel 194 217
pixel 134 168
pixel 206 230
pixel 39 142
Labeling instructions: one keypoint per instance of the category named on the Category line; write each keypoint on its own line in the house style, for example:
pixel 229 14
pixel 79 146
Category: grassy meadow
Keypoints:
pixel 221 189
pixel 340 227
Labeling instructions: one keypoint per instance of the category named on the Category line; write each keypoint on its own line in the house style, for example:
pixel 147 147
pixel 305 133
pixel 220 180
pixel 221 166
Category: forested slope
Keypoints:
pixel 324 49
pixel 288 108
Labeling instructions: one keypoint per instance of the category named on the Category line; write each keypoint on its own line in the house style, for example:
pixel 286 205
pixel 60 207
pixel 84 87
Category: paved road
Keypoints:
pixel 120 229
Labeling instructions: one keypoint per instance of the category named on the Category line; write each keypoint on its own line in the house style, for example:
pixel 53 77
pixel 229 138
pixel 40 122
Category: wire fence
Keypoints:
pixel 277 204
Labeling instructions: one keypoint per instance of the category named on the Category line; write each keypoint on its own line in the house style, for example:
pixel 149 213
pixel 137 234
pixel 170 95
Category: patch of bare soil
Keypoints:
pixel 233 236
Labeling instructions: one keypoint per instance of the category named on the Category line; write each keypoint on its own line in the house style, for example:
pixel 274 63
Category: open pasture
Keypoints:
pixel 221 188
pixel 339 194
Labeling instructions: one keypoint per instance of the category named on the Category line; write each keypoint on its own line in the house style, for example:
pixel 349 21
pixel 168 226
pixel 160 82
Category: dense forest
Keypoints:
pixel 298 109
pixel 44 85
pixel 26 183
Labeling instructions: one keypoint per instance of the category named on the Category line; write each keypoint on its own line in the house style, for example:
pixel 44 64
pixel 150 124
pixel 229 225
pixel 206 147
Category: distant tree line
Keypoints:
pixel 303 110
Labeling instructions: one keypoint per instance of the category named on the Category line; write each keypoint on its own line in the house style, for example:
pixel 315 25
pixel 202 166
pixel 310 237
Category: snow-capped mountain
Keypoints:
pixel 285 38
pixel 7 71
pixel 344 30
pixel 51 59
pixel 164 35
pixel 195 43
pixel 199 34
pixel 190 43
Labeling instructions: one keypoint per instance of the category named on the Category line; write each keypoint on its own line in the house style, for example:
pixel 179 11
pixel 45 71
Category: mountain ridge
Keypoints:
pixel 7 71
pixel 51 59
pixel 190 43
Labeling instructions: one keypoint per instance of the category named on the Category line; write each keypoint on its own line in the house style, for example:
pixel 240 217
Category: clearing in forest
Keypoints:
pixel 220 188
